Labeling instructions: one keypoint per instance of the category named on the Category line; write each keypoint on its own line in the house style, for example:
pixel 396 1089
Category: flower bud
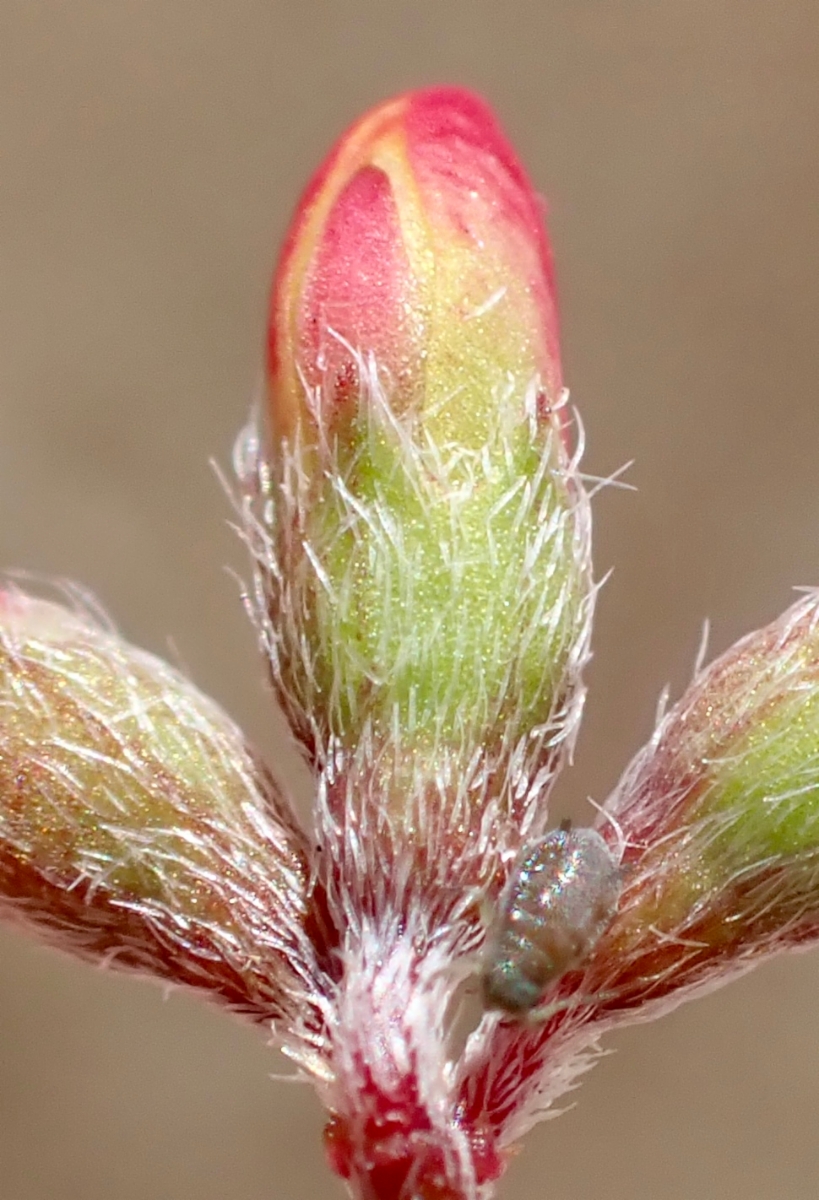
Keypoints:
pixel 427 570
pixel 135 826
pixel 720 821
pixel 716 824
pixel 421 243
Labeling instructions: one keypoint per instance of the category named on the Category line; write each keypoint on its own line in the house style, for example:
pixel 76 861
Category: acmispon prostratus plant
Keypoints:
pixel 423 592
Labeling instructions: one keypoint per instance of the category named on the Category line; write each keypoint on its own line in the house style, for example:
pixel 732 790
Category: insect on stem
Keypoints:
pixel 558 902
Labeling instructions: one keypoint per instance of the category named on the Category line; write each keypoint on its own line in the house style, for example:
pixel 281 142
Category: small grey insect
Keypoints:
pixel 559 900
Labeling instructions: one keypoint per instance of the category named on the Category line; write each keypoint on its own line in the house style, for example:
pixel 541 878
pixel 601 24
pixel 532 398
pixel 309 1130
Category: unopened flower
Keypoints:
pixel 719 818
pixel 428 573
pixel 418 244
pixel 135 825
pixel 423 589
pixel 716 826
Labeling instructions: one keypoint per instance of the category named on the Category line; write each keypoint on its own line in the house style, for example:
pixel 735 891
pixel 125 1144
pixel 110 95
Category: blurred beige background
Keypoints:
pixel 150 153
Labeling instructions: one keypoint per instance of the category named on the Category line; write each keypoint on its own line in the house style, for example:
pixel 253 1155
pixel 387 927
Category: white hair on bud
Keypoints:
pixel 406 921
pixel 768 892
pixel 137 829
pixel 275 503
